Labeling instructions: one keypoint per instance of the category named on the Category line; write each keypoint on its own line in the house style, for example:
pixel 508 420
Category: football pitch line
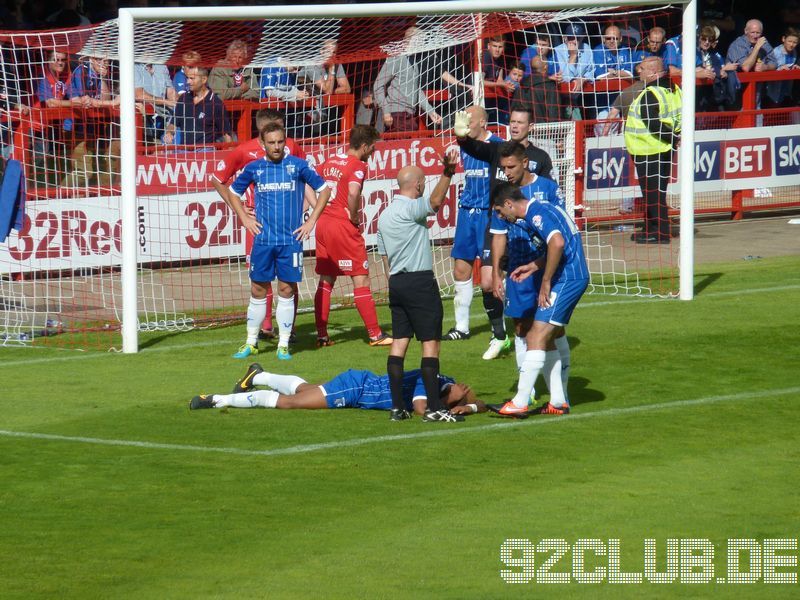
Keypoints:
pixel 402 437
pixel 71 355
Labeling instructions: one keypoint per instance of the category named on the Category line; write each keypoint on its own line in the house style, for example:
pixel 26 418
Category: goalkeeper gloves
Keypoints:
pixel 461 126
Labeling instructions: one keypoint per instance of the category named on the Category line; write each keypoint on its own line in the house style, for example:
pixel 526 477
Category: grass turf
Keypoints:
pixel 410 516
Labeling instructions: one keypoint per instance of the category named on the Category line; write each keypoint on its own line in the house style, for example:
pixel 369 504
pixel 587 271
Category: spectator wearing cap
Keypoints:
pixel 574 64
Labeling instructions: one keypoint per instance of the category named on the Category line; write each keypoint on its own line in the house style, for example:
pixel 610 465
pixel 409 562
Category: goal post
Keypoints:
pixel 130 17
pixel 125 234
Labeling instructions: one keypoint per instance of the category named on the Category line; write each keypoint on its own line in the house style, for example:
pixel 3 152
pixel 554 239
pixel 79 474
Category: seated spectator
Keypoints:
pixel 542 48
pixel 610 62
pixel 539 93
pixel 91 80
pixel 320 80
pixel 279 83
pixel 230 79
pixel 574 65
pixel 652 45
pixel 327 77
pixel 367 112
pixel 779 93
pixel 398 91
pixel 189 59
pixel 751 51
pixel 710 67
pixel 199 113
pixel 153 86
pixel 10 100
pixel 53 91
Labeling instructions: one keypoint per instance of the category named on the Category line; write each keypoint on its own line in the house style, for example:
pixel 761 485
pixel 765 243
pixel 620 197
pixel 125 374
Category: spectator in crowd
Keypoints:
pixel 53 91
pixel 711 68
pixel 652 45
pixel 189 59
pixel 543 48
pixel 673 55
pixel 367 112
pixel 516 72
pixel 199 114
pixel 493 63
pixel 751 51
pixel 230 79
pixel 652 133
pixel 279 83
pixel 153 87
pixel 610 62
pixel 327 77
pixel 398 92
pixel 779 93
pixel 320 80
pixel 575 65
pixel 91 80
pixel 540 93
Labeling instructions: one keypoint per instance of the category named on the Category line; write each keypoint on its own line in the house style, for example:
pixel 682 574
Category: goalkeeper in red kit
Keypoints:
pixel 340 245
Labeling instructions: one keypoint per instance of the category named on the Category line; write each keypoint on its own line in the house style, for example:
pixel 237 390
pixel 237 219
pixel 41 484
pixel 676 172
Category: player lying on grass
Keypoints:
pixel 351 389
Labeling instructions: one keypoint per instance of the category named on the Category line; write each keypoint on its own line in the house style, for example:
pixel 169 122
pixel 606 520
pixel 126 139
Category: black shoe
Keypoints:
pixel 202 401
pixel 441 416
pixel 399 414
pixel 455 334
pixel 245 384
pixel 651 238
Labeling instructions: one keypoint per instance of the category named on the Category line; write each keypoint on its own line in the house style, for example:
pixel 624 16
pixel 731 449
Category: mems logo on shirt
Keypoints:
pixel 279 186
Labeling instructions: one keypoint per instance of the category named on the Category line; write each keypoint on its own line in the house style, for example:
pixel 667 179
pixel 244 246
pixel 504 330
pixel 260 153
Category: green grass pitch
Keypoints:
pixel 684 425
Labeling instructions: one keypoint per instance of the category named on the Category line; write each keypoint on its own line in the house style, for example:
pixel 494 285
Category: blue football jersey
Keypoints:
pixel 278 196
pixel 546 220
pixel 543 190
pixel 376 388
pixel 476 180
pixel 523 246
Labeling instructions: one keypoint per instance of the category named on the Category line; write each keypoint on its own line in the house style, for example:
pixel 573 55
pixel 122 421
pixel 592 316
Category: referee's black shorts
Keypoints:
pixel 416 306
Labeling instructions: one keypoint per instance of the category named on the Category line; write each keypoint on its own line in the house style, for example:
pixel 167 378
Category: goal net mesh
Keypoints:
pixel 60 273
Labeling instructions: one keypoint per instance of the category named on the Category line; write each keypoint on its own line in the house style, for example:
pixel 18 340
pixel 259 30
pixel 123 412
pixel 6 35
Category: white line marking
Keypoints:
pixel 305 448
pixel 233 342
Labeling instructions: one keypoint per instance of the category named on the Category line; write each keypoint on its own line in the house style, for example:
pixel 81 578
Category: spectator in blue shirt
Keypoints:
pixel 779 93
pixel 652 45
pixel 575 65
pixel 610 62
pixel 199 113
pixel 752 51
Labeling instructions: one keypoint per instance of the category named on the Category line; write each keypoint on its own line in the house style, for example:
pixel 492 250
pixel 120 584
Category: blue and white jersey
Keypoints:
pixel 476 179
pixel 673 52
pixel 375 390
pixel 543 190
pixel 523 246
pixel 547 219
pixel 606 59
pixel 278 196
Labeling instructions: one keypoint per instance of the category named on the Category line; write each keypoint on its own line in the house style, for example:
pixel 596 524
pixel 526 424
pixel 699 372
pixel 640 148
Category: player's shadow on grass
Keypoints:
pixel 707 280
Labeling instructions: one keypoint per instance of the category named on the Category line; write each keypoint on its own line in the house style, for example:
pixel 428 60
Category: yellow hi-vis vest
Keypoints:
pixel 638 139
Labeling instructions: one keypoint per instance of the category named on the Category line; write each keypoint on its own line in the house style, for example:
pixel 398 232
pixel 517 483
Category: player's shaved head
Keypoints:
pixel 478 111
pixel 411 181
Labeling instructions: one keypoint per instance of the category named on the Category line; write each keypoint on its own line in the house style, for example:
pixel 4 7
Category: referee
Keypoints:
pixel 413 292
